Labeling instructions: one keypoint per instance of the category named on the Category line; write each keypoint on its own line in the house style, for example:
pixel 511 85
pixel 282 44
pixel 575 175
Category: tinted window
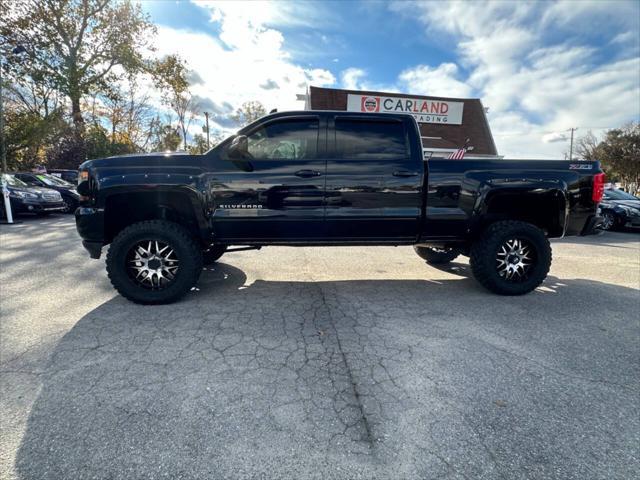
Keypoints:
pixel 26 177
pixel 363 139
pixel 618 195
pixel 285 140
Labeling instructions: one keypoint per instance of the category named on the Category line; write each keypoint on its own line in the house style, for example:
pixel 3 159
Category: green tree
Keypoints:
pixel 34 117
pixel 249 112
pixel 198 145
pixel 77 45
pixel 165 137
pixel 619 153
pixel 170 76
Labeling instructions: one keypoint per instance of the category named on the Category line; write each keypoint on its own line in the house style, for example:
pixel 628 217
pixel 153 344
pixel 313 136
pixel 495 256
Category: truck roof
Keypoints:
pixel 297 113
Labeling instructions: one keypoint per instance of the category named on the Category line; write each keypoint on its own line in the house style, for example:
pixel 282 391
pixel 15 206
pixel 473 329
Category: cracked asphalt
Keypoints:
pixel 319 363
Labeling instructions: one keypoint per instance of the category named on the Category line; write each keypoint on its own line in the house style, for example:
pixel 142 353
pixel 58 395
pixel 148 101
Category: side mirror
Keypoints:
pixel 238 152
pixel 239 147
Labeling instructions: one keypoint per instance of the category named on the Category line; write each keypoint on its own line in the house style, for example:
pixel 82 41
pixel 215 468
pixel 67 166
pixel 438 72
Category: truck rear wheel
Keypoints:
pixel 212 254
pixel 511 257
pixel 436 256
pixel 154 262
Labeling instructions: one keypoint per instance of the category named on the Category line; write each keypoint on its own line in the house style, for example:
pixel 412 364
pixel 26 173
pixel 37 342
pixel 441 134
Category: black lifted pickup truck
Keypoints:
pixel 328 178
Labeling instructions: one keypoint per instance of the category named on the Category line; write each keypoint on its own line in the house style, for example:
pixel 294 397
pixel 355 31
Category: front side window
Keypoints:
pixel 285 140
pixel 370 139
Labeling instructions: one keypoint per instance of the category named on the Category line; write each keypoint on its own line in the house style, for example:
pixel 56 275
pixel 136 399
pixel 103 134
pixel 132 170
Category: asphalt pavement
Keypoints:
pixel 319 363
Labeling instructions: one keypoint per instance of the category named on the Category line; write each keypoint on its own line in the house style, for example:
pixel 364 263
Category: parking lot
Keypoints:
pixel 319 363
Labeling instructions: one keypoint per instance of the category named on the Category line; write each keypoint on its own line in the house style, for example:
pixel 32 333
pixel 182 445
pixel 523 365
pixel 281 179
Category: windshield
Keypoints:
pixel 618 195
pixel 13 181
pixel 52 181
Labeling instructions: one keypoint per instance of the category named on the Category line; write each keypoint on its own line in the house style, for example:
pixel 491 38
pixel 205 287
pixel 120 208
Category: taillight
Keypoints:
pixel 598 187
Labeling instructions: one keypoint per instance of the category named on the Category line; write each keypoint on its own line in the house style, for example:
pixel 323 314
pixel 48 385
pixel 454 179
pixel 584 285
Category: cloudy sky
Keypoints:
pixel 540 68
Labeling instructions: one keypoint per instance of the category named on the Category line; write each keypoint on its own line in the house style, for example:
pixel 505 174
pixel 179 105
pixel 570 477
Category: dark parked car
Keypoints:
pixel 619 209
pixel 68 191
pixel 70 176
pixel 328 178
pixel 26 199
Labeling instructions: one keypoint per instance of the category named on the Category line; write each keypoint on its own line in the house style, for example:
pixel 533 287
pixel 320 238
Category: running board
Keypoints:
pixel 242 249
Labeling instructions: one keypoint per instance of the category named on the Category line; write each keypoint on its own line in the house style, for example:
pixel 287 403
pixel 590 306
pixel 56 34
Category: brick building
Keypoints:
pixel 445 123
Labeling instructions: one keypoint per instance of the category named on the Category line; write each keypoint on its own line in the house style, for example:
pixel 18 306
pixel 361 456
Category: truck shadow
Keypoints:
pixel 273 377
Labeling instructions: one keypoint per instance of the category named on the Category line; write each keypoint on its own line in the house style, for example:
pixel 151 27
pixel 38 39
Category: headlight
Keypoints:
pixel 627 210
pixel 19 194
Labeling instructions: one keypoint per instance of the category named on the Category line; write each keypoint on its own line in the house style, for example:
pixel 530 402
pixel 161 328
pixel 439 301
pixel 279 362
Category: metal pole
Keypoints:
pixel 571 144
pixel 206 115
pixel 5 190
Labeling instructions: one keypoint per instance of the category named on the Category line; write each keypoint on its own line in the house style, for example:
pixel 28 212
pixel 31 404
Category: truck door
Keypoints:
pixel 374 180
pixel 279 195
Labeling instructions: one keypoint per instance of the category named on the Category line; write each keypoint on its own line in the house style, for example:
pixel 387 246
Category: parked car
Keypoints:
pixel 328 178
pixel 26 199
pixel 68 191
pixel 70 176
pixel 619 209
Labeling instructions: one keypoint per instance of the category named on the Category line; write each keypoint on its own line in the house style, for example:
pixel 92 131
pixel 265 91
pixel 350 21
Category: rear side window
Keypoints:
pixel 366 139
pixel 285 140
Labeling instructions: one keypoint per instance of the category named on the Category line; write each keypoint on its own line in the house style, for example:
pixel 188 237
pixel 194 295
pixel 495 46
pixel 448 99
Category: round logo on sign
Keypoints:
pixel 370 104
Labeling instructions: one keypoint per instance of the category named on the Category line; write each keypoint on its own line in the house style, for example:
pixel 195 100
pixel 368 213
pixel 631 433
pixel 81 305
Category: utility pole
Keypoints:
pixel 573 129
pixel 206 115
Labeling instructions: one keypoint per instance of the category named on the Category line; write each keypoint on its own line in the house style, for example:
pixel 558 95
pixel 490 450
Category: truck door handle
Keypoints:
pixel 307 173
pixel 405 173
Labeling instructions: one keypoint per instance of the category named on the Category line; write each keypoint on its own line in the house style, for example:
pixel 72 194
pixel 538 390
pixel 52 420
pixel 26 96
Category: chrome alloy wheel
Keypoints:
pixel 515 259
pixel 152 264
pixel 607 221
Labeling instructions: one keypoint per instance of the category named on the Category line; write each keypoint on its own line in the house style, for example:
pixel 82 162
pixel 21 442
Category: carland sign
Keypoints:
pixel 424 111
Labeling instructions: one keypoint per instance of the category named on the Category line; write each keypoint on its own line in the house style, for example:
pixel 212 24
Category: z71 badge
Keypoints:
pixel 580 166
pixel 227 205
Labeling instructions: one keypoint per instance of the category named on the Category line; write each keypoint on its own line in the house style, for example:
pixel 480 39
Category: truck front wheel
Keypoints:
pixel 511 257
pixel 154 262
pixel 436 256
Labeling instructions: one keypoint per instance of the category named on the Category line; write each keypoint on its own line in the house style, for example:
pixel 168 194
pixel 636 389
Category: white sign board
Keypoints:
pixel 424 111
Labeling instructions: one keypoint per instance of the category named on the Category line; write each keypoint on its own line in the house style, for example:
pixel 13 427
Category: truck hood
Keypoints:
pixel 158 159
pixel 37 190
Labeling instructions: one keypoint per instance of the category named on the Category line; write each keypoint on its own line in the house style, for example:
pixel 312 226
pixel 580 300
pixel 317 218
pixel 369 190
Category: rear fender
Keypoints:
pixel 542 202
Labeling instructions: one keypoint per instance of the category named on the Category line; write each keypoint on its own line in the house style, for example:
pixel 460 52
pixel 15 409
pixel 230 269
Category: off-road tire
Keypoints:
pixel 187 250
pixel 484 251
pixel 436 256
pixel 212 254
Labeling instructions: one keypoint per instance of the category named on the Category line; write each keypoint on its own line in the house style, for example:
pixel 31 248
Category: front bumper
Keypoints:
pixel 22 205
pixel 90 226
pixel 632 220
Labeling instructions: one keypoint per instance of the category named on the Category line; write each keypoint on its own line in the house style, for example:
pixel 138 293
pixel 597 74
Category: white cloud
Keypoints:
pixel 439 81
pixel 351 78
pixel 246 61
pixel 534 84
pixel 555 137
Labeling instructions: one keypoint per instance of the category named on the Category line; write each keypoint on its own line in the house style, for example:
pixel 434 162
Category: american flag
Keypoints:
pixel 458 154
